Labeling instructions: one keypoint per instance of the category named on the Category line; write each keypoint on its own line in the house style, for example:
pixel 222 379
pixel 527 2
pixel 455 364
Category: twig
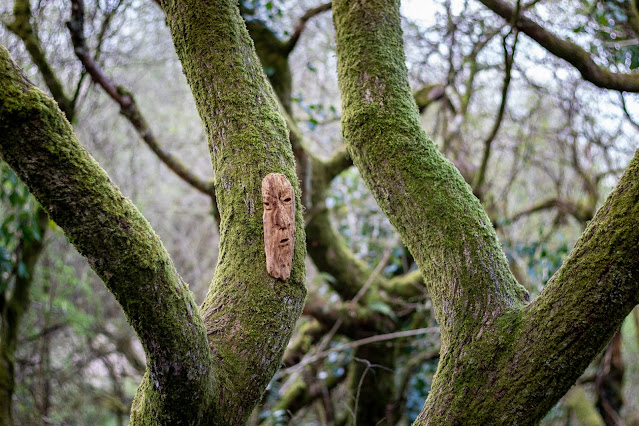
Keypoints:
pixel 361 342
pixel 369 366
pixel 625 110
pixel 509 59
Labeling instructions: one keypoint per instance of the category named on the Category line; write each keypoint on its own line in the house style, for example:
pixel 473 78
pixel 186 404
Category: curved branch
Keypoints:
pixel 301 24
pixel 581 214
pixel 338 163
pixel 128 106
pixel 585 302
pixel 119 244
pixel 423 195
pixel 627 113
pixel 509 59
pixel 21 26
pixel 537 353
pixel 566 50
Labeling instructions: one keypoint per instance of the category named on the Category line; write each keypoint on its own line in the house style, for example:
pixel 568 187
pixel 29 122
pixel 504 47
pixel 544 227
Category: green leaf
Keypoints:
pixel 382 308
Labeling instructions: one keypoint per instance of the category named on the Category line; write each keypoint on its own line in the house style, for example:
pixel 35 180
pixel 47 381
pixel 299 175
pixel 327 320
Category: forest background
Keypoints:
pixel 540 147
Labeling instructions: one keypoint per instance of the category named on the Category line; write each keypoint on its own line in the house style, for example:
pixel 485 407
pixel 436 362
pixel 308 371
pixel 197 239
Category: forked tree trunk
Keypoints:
pixel 503 361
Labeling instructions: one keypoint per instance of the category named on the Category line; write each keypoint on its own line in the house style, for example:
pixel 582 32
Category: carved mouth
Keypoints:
pixel 284 242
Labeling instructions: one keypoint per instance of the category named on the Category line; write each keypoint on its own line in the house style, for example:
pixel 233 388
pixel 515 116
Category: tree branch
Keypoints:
pixel 21 26
pixel 566 206
pixel 119 244
pixel 338 163
pixel 584 303
pixel 361 342
pixel 426 198
pixel 128 106
pixel 566 50
pixel 509 59
pixel 301 24
pixel 625 111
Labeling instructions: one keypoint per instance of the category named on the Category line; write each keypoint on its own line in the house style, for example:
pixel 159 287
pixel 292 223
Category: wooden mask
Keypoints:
pixel 279 224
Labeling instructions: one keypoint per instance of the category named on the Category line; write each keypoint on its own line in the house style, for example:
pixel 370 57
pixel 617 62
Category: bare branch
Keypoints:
pixel 625 111
pixel 357 343
pixel 565 206
pixel 128 106
pixel 301 24
pixel 509 59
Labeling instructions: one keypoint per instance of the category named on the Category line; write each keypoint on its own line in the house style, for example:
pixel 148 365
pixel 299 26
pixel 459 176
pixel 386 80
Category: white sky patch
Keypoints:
pixel 420 11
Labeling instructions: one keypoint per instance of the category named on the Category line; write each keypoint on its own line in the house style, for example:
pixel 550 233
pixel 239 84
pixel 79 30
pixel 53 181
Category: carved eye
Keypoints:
pixel 287 199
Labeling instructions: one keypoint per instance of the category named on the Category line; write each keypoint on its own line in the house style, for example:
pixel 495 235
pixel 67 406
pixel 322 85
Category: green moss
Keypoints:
pixel 502 362
pixel 422 194
pixel 119 244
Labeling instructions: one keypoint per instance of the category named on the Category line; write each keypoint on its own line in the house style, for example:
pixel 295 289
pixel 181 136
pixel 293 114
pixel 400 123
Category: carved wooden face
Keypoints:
pixel 279 224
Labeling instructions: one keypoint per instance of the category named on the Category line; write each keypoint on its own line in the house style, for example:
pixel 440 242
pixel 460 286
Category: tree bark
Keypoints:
pixel 105 227
pixel 249 315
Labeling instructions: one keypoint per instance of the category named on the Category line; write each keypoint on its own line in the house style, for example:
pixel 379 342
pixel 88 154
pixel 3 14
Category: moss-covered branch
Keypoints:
pixel 105 227
pixel 249 315
pixel 422 194
pixel 566 50
pixel 537 353
pixel 494 349
pixel 21 26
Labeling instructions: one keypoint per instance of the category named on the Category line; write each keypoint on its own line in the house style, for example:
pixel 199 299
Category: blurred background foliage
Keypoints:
pixel 557 150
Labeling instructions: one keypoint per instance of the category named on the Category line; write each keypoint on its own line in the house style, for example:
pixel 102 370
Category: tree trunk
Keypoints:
pixel 203 365
pixel 498 353
pixel 12 310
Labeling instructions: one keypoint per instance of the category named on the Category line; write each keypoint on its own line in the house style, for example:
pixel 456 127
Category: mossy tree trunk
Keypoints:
pixel 503 361
pixel 208 365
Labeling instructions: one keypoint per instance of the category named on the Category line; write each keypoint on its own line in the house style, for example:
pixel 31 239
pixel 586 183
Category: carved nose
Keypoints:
pixel 281 220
